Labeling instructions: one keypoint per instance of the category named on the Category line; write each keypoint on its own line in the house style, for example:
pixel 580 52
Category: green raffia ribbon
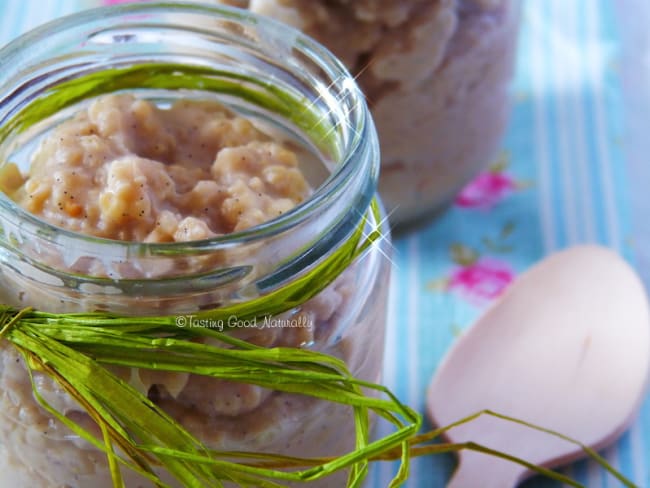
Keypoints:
pixel 74 349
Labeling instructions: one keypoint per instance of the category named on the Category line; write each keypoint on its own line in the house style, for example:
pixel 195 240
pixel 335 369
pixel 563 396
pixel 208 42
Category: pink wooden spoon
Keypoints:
pixel 567 348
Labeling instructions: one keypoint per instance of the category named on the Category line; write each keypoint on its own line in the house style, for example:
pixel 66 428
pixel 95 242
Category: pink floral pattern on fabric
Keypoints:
pixel 482 281
pixel 486 190
pixel 477 279
pixel 489 187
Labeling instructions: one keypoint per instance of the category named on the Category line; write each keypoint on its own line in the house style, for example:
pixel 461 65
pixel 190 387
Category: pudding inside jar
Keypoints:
pixel 125 168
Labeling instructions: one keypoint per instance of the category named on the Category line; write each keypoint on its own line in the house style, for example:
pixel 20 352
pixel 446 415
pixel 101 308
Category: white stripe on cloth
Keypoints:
pixel 541 141
pixel 559 51
pixel 595 55
pixel 576 69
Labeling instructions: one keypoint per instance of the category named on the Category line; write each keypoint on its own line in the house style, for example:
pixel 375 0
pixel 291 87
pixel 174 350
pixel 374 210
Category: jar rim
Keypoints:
pixel 344 169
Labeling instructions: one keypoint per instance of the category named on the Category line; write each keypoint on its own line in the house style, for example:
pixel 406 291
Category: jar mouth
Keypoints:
pixel 339 99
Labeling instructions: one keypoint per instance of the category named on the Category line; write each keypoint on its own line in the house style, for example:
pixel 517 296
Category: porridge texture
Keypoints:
pixel 436 76
pixel 125 169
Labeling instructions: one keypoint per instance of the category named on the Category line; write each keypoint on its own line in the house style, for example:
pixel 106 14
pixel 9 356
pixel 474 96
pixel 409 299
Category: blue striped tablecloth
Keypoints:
pixel 574 169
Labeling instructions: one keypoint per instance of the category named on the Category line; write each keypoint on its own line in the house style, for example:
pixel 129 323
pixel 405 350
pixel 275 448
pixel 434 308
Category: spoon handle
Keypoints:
pixel 477 469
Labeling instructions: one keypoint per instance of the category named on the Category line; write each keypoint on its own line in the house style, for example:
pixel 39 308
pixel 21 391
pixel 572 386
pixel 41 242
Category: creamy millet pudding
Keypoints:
pixel 125 169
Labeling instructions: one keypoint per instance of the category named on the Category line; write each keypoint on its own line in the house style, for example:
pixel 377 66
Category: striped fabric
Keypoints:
pixel 573 170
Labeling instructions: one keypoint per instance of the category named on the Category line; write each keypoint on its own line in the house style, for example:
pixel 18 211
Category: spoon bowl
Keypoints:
pixel 567 348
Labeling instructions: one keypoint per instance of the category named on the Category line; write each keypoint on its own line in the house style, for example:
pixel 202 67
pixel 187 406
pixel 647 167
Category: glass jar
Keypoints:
pixel 289 85
pixel 436 75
